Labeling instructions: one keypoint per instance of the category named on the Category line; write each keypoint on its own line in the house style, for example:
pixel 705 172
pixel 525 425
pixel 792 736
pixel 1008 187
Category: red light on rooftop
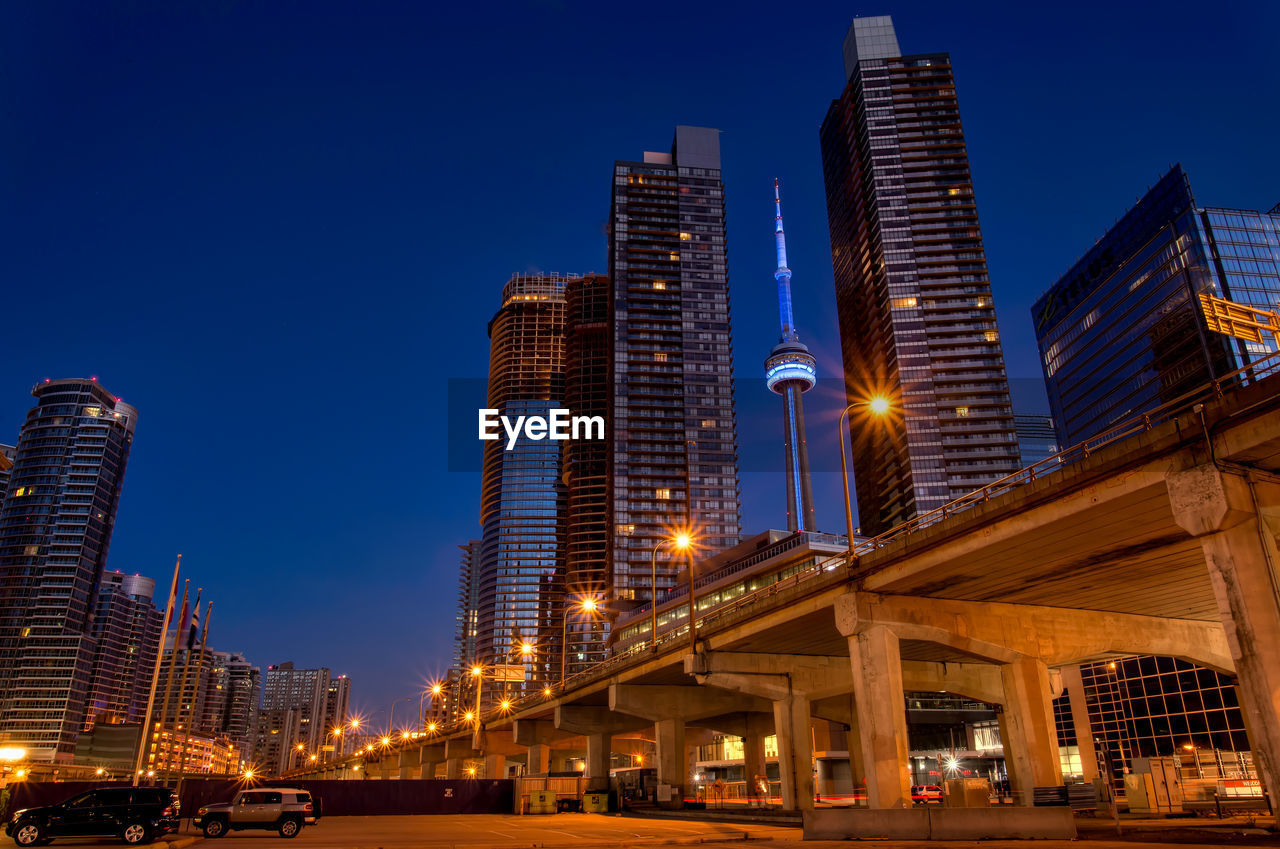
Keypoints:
pixel 93 377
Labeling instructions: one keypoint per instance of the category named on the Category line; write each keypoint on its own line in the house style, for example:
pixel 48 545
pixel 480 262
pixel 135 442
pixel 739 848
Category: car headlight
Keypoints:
pixel 202 811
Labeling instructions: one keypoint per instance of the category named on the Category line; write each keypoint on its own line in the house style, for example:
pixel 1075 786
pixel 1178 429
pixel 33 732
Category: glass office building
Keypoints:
pixel 55 527
pixel 913 299
pixel 1036 439
pixel 522 498
pixel 1122 332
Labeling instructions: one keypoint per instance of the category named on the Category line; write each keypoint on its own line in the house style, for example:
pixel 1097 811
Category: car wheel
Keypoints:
pixel 135 834
pixel 28 834
pixel 215 828
pixel 290 828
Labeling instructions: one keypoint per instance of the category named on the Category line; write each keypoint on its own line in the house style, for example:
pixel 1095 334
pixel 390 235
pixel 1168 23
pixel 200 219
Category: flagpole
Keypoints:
pixel 173 668
pixel 144 732
pixel 186 736
pixel 189 639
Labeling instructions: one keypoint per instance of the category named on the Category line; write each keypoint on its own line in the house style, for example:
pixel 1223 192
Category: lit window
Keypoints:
pixel 22 490
pixel 93 411
pixel 26 632
pixel 708 422
pixel 684 237
pixel 992 336
pixel 659 356
pixel 31 550
pixel 659 284
pixel 953 192
pixel 664 494
pixel 675 255
pixel 903 303
pixel 962 412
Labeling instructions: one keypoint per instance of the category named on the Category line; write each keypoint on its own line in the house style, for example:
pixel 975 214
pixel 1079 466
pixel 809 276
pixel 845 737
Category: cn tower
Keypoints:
pixel 790 371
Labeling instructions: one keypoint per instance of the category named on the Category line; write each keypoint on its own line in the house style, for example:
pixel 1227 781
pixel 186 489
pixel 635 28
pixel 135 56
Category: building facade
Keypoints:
pixel 126 633
pixel 337 705
pixel 522 499
pixel 304 691
pixel 917 321
pixel 1036 439
pixel 673 453
pixel 232 690
pixel 1122 332
pixel 55 528
pixel 466 622
pixel 585 465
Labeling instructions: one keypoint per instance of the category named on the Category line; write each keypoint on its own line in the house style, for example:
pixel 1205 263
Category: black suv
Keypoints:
pixel 133 814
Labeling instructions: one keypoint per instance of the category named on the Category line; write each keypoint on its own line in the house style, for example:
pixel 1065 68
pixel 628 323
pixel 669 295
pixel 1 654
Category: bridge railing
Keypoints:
pixel 1250 374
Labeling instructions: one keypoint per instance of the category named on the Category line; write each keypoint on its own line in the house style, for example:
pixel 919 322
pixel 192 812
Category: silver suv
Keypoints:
pixel 285 809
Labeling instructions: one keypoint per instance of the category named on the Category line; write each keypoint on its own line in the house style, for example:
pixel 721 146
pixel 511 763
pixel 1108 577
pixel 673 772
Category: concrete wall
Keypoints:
pixel 937 823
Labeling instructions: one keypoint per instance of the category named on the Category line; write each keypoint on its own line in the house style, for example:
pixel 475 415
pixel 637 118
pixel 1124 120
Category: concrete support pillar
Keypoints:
pixel 410 763
pixel 1236 519
pixel 795 752
pixel 857 764
pixel 598 757
pixel 539 762
pixel 495 766
pixel 453 768
pixel 759 726
pixel 882 717
pixel 1031 747
pixel 429 768
pixel 670 760
pixel 1080 722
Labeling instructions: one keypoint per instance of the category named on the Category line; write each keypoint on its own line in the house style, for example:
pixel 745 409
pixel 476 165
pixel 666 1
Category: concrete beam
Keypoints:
pixel 659 702
pixel 538 732
pixel 1003 633
pixel 585 720
pixel 816 676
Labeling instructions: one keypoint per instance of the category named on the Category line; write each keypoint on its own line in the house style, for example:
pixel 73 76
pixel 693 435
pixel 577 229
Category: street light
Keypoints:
pixel 682 541
pixel 586 605
pixel 879 406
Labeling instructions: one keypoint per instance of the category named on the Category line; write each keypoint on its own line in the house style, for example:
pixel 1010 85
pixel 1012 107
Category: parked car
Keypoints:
pixel 926 794
pixel 284 809
pixel 133 814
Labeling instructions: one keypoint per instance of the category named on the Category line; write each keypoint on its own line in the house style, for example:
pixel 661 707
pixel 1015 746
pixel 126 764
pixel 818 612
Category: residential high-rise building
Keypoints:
pixel 585 465
pixel 304 690
pixel 917 323
pixel 1036 439
pixel 232 689
pixel 126 632
pixel 275 740
pixel 7 455
pixel 522 497
pixel 55 528
pixel 673 450
pixel 1122 332
pixel 337 704
pixel 791 371
pixel 466 622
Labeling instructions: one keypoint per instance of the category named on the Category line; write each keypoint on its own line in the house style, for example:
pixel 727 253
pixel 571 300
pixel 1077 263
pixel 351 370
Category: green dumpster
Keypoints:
pixel 542 801
pixel 595 803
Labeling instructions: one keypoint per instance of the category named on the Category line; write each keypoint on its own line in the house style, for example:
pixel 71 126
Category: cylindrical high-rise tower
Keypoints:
pixel 790 371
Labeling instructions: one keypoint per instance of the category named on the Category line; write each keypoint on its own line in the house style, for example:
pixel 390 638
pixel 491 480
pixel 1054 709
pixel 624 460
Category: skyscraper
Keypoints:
pixel 522 498
pixel 55 527
pixel 233 688
pixel 673 450
pixel 467 620
pixel 126 633
pixel 791 371
pixel 917 323
pixel 1036 439
pixel 1122 332
pixel 302 690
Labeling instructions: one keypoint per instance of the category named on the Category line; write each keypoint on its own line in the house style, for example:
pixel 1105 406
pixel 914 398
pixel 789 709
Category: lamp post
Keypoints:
pixel 878 406
pixel 435 690
pixel 391 717
pixel 682 542
pixel 587 605
pixel 477 672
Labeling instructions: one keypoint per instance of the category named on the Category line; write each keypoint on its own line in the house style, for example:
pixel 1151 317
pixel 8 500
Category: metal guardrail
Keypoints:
pixel 1141 423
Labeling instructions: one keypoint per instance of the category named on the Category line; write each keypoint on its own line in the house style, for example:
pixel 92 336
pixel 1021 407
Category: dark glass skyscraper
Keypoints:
pixel 55 527
pixel 1122 332
pixel 673 434
pixel 917 323
pixel 522 498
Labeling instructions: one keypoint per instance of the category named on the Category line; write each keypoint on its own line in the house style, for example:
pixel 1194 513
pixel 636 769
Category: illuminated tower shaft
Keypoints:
pixel 791 371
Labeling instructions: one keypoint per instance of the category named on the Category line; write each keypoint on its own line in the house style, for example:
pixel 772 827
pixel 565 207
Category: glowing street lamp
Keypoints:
pixel 587 605
pixel 879 406
pixel 682 541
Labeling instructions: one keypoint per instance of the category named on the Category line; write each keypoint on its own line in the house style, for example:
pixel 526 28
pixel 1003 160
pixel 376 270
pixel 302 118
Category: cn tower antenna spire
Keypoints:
pixel 790 371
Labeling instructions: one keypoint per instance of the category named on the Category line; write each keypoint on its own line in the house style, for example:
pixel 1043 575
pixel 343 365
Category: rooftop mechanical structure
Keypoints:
pixel 790 371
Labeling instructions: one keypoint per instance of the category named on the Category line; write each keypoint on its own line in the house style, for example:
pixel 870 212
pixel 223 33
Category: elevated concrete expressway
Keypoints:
pixel 1164 543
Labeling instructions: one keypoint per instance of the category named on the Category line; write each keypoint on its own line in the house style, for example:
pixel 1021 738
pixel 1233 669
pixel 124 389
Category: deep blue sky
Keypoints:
pixel 279 228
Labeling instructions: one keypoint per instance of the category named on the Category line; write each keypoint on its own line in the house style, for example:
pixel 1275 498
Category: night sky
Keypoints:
pixel 279 230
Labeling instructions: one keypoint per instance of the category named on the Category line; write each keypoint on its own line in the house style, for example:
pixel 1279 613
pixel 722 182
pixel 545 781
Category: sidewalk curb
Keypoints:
pixel 695 840
pixel 177 842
